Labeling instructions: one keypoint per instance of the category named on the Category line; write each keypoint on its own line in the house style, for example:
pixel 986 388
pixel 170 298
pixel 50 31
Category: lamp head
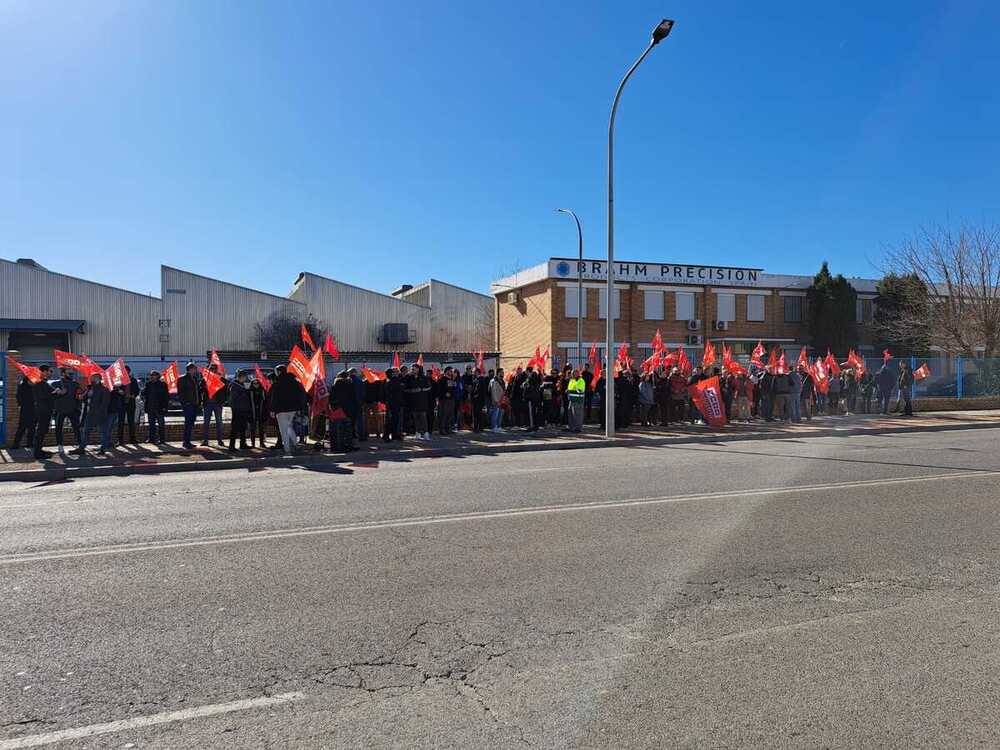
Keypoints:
pixel 662 30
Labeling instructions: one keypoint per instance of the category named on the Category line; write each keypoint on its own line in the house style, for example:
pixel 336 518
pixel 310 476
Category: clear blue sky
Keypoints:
pixel 386 142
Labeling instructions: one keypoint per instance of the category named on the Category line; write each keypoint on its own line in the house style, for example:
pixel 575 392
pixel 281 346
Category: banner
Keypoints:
pixel 261 378
pixel 116 375
pixel 212 382
pixel 218 363
pixel 300 367
pixel 320 398
pixel 707 396
pixel 79 362
pixel 170 376
pixel 31 373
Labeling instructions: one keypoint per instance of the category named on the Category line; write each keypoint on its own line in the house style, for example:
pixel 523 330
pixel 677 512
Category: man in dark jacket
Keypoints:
pixel 906 388
pixel 241 407
pixel 44 397
pixel 213 407
pixel 886 382
pixel 360 389
pixel 343 398
pixel 480 401
pixel 394 396
pixel 26 415
pixel 259 413
pixel 531 395
pixel 67 407
pixel 129 393
pixel 155 397
pixel 98 416
pixel 288 398
pixel 189 394
pixel 418 392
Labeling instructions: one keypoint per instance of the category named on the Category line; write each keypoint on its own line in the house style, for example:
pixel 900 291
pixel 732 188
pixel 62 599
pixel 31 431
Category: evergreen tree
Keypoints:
pixel 832 309
pixel 901 314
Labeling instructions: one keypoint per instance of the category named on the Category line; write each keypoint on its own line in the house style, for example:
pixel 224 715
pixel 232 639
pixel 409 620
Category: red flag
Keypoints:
pixel 420 359
pixel 669 359
pixel 31 373
pixel 435 373
pixel 831 364
pixel 782 366
pixel 317 365
pixel 683 363
pixel 657 341
pixel 264 382
pixel 544 364
pixel 649 365
pixel 330 347
pixel 922 372
pixel 803 358
pixel 212 382
pixel 116 375
pixel 395 360
pixel 300 367
pixel 886 356
pixel 536 359
pixel 480 365
pixel 621 359
pixel 819 375
pixel 727 355
pixel 170 376
pixel 853 360
pixel 214 360
pixel 592 354
pixel 320 397
pixel 372 376
pixel 772 360
pixel 707 396
pixel 758 352
pixel 597 375
pixel 307 339
pixel 708 356
pixel 81 362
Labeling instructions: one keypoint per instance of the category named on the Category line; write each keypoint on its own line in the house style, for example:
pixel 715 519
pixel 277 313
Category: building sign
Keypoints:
pixel 655 273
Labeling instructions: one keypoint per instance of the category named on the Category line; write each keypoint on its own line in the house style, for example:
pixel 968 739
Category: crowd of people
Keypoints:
pixel 416 403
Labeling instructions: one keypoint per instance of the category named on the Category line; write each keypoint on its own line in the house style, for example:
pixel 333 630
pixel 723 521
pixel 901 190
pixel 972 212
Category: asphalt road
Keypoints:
pixel 824 592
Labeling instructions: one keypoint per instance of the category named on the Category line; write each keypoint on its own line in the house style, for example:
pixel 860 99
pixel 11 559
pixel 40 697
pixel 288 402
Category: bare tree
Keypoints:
pixel 281 330
pixel 961 273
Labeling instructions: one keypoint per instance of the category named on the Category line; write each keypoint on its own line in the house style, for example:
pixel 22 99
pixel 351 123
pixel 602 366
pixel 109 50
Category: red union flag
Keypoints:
pixel 300 367
pixel 592 354
pixel 758 352
pixel 707 396
pixel 480 366
pixel 264 382
pixel 597 375
pixel 330 347
pixel 395 361
pixel 683 363
pixel 856 362
pixel 170 376
pixel 320 398
pixel 317 365
pixel 212 382
pixel 31 373
pixel 921 372
pixel 116 375
pixel 708 356
pixel 657 341
pixel 80 362
pixel 214 360
pixel 820 375
pixel 307 339
pixel 803 358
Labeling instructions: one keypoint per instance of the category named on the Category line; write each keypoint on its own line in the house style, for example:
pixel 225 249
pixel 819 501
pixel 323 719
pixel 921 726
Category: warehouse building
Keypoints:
pixel 688 304
pixel 41 310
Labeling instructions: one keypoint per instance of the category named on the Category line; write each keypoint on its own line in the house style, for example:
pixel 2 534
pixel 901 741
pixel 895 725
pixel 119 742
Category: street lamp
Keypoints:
pixel 579 285
pixel 659 34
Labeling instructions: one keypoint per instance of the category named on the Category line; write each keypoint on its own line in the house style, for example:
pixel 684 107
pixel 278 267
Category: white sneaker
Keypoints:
pixel 427 436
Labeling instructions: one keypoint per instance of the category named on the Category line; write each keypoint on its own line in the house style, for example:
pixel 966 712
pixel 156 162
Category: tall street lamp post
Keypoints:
pixel 659 34
pixel 579 285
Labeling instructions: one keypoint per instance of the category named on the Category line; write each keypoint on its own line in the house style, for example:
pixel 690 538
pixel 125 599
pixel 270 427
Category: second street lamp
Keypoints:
pixel 579 285
pixel 660 33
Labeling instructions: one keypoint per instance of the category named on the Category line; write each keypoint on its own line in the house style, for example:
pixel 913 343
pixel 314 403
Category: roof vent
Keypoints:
pixel 31 264
pixel 402 290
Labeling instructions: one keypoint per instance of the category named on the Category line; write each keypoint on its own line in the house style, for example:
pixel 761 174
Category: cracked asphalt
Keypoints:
pixel 818 592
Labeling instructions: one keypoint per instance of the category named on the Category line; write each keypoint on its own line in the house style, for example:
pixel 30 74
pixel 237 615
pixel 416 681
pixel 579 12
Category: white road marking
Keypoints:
pixel 48 738
pixel 254 536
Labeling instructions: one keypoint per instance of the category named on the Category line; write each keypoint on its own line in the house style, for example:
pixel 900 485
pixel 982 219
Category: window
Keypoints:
pixel 859 310
pixel 726 304
pixel 603 309
pixel 755 307
pixel 654 305
pixel 571 300
pixel 793 309
pixel 864 311
pixel 685 305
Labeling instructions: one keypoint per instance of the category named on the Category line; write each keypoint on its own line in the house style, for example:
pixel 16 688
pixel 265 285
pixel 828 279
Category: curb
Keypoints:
pixel 61 473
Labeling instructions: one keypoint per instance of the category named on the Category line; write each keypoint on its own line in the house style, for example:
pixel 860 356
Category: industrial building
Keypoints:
pixel 41 310
pixel 688 304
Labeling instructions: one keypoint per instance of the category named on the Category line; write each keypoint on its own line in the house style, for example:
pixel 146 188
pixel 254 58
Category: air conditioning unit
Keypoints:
pixel 693 339
pixel 694 325
pixel 511 298
pixel 395 333
pixel 720 325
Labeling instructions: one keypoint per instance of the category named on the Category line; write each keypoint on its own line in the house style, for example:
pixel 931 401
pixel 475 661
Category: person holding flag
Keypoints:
pixel 44 397
pixel 886 381
pixel 26 414
pixel 155 397
pixel 906 387
pixel 258 409
pixel 288 398
pixel 215 391
pixel 189 394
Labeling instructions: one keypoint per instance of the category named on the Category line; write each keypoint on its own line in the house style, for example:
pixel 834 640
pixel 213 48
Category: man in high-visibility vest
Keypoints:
pixel 576 388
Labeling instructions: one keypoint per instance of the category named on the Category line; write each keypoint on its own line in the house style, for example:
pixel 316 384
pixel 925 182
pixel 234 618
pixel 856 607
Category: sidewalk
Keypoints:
pixel 148 459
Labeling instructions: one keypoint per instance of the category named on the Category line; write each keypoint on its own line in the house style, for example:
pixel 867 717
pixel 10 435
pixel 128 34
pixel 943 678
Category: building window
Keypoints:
pixel 603 308
pixel 685 305
pixel 864 311
pixel 755 308
pixel 654 305
pixel 793 309
pixel 572 297
pixel 726 304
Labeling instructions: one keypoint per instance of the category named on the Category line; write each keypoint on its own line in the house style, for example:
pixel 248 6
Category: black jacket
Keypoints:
pixel 287 394
pixel 221 396
pixel 67 403
pixel 155 397
pixel 26 398
pixel 44 398
pixel 393 392
pixel 239 398
pixel 345 396
pixel 100 402
pixel 418 389
pixel 188 390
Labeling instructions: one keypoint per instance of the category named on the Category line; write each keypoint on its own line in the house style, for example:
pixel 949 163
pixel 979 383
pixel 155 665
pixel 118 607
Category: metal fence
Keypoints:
pixel 951 377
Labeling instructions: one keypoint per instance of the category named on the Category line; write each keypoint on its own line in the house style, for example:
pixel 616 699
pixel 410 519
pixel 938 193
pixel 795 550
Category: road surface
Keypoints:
pixel 822 592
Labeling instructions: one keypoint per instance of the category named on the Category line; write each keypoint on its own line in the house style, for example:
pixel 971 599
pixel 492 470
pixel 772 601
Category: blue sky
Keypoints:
pixel 384 142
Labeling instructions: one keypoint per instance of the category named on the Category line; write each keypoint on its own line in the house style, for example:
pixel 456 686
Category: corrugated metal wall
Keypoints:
pixel 356 316
pixel 208 314
pixel 118 322
pixel 460 320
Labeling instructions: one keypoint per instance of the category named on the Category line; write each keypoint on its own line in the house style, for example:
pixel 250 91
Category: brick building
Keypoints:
pixel 688 304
